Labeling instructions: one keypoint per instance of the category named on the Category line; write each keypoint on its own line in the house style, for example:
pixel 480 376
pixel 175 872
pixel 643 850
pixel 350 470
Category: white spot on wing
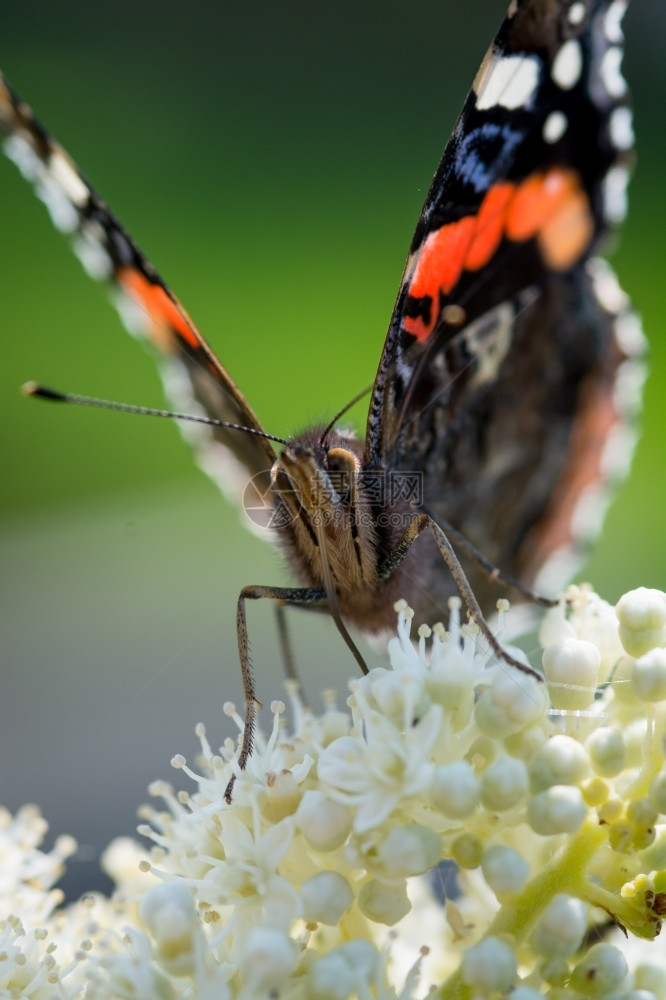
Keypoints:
pixel 93 256
pixel 611 74
pixel 629 333
pixel 619 445
pixel 614 186
pixel 218 462
pixel 133 316
pixel 568 65
pixel 631 377
pixel 620 126
pixel 47 188
pixel 631 373
pixel 20 152
pixel 65 174
pixel 618 453
pixel 510 82
pixel 606 287
pixel 554 126
pixel 63 214
pixel 613 21
pixel 576 13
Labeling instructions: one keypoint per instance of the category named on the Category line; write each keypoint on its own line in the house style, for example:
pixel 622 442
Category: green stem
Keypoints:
pixel 638 919
pixel 565 872
pixel 652 755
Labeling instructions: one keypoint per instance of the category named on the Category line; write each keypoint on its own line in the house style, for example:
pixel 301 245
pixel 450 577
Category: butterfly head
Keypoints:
pixel 321 482
pixel 323 475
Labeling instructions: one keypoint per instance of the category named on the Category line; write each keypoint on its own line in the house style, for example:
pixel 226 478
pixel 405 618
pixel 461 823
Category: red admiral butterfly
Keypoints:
pixel 499 409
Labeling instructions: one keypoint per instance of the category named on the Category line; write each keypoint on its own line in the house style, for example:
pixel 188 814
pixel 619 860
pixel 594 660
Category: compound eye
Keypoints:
pixel 343 467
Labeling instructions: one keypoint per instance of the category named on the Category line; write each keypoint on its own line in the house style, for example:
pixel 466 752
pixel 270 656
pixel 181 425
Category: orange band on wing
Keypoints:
pixel 537 200
pixel 440 265
pixel 442 258
pixel 490 223
pixel 567 234
pixel 551 208
pixel 163 315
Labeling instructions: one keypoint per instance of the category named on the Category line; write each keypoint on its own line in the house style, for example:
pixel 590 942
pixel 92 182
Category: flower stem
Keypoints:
pixel 564 873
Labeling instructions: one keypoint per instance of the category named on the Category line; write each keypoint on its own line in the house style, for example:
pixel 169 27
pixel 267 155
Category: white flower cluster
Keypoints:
pixel 546 803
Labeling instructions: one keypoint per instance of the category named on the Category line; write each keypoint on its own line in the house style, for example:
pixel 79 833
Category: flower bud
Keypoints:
pixel 595 792
pixel 121 861
pixel 467 850
pixel 642 617
pixel 649 677
pixel 335 975
pixel 572 671
pixel 559 761
pixel 561 927
pixel 409 850
pixel 330 978
pixel 450 683
pixel 560 809
pixel 512 702
pixel 554 626
pixel 641 812
pixel 383 902
pixel 454 789
pixel 600 971
pixel 489 965
pixel 393 691
pixel 504 784
pixel 555 972
pixel 504 869
pixel 608 753
pixel 168 911
pixel 326 896
pixel 325 824
pixel 525 743
pixel 651 977
pixel 268 957
pixel 334 725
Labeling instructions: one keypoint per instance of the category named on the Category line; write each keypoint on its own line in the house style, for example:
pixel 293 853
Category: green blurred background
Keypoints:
pixel 271 159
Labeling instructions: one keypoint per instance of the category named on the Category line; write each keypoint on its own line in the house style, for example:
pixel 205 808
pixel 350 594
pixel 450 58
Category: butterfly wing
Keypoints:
pixel 498 378
pixel 194 378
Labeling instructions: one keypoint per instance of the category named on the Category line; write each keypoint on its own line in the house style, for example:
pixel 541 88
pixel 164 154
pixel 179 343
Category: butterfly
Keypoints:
pixel 500 403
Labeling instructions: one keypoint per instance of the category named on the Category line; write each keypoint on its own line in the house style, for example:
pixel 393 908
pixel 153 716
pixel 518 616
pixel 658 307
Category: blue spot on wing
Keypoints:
pixel 486 154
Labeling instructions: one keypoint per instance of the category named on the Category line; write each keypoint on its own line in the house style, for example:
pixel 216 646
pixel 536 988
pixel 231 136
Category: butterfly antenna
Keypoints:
pixel 42 392
pixel 352 402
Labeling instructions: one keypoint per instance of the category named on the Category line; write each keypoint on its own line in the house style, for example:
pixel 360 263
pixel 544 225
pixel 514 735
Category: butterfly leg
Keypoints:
pixel 288 659
pixel 420 523
pixel 285 644
pixel 303 596
pixel 493 572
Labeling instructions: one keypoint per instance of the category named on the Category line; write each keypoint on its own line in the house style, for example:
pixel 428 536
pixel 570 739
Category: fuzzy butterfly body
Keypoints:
pixel 507 382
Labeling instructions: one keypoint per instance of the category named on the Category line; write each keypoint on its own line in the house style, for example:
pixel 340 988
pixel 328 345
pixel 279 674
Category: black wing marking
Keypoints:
pixel 193 377
pixel 533 175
